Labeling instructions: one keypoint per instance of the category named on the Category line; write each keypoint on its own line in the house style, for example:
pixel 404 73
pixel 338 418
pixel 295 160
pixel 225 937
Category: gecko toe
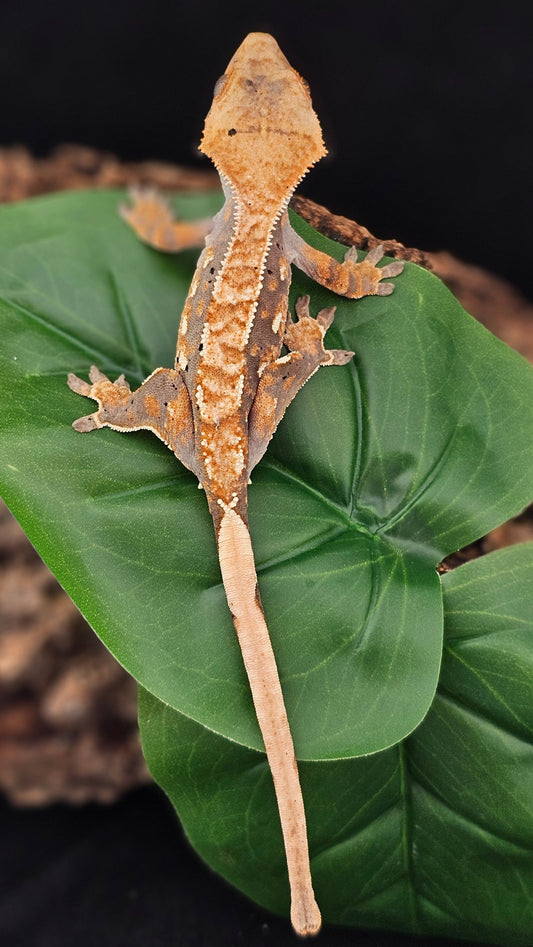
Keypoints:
pixel 325 317
pixel 374 255
pixel 385 289
pixel 302 306
pixel 137 192
pixel 125 211
pixel 351 254
pixel 78 385
pixel 86 423
pixel 96 375
pixel 340 356
pixel 393 269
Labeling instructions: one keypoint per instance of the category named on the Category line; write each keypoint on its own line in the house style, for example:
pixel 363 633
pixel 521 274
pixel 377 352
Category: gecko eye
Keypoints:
pixel 219 85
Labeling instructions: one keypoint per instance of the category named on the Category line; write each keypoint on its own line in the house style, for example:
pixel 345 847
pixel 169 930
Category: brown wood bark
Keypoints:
pixel 67 710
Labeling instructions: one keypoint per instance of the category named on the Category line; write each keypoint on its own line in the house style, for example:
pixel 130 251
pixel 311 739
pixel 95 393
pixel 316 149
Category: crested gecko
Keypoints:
pixel 218 408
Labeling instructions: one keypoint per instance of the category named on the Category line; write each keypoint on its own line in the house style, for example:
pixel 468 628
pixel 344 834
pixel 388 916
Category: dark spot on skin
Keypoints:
pixel 200 347
pixel 232 131
pixel 269 272
pixel 212 270
pixel 165 404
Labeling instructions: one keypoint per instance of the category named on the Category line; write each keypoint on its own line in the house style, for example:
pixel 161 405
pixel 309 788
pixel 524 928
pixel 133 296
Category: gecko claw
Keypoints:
pixel 351 254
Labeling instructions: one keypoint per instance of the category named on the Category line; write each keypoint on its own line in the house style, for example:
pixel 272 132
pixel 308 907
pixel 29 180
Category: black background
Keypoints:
pixel 425 106
pixel 425 109
pixel 124 877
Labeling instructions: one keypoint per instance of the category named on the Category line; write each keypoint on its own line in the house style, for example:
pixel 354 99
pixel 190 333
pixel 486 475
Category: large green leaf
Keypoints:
pixel 378 470
pixel 432 836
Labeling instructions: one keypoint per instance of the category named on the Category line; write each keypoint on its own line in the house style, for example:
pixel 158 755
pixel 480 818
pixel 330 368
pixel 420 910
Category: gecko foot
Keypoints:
pixel 145 208
pixel 109 395
pixel 149 215
pixel 364 277
pixel 306 335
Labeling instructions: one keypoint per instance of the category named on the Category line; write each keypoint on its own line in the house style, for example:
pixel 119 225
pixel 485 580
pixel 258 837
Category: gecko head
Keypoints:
pixel 261 132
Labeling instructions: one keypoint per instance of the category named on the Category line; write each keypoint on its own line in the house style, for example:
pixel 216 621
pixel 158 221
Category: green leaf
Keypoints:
pixel 378 470
pixel 432 836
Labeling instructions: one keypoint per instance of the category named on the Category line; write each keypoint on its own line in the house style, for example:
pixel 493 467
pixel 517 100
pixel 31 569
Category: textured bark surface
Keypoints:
pixel 67 710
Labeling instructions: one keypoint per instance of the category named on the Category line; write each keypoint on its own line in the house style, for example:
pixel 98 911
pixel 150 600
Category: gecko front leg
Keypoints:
pixel 283 378
pixel 160 405
pixel 151 218
pixel 351 278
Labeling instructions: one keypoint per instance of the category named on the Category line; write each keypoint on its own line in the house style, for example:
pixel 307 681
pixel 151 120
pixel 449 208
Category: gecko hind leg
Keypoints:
pixel 282 379
pixel 306 337
pixel 369 275
pixel 161 405
pixel 150 216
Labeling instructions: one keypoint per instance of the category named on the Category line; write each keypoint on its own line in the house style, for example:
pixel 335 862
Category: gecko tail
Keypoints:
pixel 240 582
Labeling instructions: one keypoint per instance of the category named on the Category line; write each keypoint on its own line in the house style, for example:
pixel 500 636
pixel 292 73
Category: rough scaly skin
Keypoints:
pixel 220 405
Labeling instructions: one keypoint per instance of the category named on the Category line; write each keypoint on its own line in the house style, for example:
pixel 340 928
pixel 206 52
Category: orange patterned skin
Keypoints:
pixel 218 408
